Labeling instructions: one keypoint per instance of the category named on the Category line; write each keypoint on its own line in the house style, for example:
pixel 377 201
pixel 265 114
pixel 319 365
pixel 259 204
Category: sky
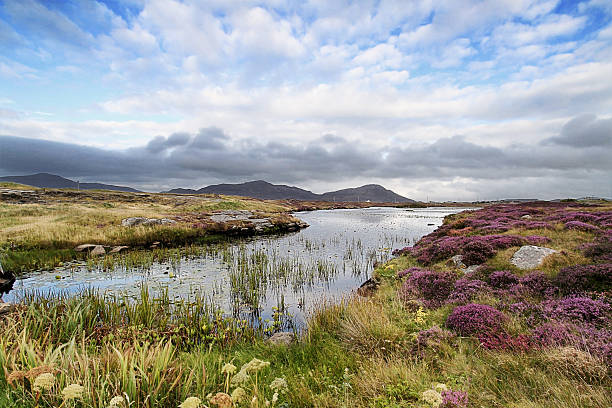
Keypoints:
pixel 439 100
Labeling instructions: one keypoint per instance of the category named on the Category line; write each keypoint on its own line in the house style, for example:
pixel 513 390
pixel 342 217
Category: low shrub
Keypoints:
pixel 432 287
pixel 503 279
pixel 579 278
pixel 474 319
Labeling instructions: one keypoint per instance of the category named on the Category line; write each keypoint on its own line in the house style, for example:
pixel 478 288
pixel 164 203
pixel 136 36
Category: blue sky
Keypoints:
pixel 330 84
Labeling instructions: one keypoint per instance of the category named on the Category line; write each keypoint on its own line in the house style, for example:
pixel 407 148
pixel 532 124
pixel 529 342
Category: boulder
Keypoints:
pixel 98 250
pixel 6 308
pixel 6 281
pixel 368 287
pixel 134 221
pixel 281 338
pixel 118 248
pixel 530 256
pixel 85 247
pixel 457 261
pixel 526 217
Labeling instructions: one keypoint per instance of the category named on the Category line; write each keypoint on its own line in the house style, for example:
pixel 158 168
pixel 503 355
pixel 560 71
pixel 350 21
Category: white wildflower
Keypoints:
pixel 279 385
pixel 117 401
pixel 191 402
pixel 73 391
pixel 239 395
pixel 44 382
pixel 228 369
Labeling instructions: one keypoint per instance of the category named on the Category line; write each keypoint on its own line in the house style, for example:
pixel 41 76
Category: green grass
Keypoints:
pixel 355 353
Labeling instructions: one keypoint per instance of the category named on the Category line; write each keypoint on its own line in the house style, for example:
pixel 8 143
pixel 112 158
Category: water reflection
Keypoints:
pixel 263 278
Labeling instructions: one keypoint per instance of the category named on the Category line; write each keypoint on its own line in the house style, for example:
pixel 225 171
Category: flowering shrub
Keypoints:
pixel 579 310
pixel 552 334
pixel 454 399
pixel 408 272
pixel 600 250
pixel 537 239
pixel 465 289
pixel 504 341
pixel 578 278
pixel 581 226
pixel 503 279
pixel 473 319
pixel 476 252
pixel 536 283
pixel 430 286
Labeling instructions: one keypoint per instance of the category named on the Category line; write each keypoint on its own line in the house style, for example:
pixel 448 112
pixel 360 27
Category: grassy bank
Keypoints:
pixel 432 335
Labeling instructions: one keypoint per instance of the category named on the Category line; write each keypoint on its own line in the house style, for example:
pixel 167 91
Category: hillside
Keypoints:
pixel 267 191
pixel 46 180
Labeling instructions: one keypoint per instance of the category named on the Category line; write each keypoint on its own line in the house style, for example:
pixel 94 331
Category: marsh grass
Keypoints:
pixel 158 352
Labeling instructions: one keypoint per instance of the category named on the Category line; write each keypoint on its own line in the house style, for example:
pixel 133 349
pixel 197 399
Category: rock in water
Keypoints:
pixel 368 287
pixel 530 256
pixel 118 248
pixel 98 250
pixel 84 247
pixel 6 281
pixel 282 338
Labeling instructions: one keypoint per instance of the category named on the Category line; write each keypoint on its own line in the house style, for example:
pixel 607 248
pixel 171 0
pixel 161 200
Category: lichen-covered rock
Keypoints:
pixel 118 248
pixel 135 221
pixel 282 338
pixel 530 256
pixel 98 250
pixel 85 247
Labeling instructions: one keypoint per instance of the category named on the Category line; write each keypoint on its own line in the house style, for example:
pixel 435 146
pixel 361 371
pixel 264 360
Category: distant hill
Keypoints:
pixel 267 191
pixel 371 192
pixel 46 180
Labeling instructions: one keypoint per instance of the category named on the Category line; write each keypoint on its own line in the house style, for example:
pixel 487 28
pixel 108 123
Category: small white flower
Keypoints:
pixel 73 391
pixel 44 382
pixel 191 402
pixel 116 401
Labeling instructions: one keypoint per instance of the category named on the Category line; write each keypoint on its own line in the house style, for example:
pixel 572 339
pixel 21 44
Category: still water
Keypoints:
pixel 251 278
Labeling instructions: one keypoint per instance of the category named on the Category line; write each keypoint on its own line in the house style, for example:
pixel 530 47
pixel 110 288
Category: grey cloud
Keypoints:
pixel 160 143
pixel 210 138
pixel 211 156
pixel 585 131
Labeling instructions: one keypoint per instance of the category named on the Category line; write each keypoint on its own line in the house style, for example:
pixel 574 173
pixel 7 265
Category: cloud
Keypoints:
pixel 580 152
pixel 585 131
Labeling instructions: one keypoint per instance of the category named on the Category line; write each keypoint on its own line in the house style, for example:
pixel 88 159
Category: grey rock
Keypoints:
pixel 526 217
pixel 118 248
pixel 6 308
pixel 368 287
pixel 281 338
pixel 530 256
pixel 457 261
pixel 471 268
pixel 135 221
pixel 232 215
pixel 84 247
pixel 98 250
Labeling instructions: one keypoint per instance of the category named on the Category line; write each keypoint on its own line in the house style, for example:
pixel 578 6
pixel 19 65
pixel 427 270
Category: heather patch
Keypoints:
pixel 579 310
pixel 579 278
pixel 431 287
pixel 537 284
pixel 475 319
pixel 581 226
pixel 465 290
pixel 503 279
